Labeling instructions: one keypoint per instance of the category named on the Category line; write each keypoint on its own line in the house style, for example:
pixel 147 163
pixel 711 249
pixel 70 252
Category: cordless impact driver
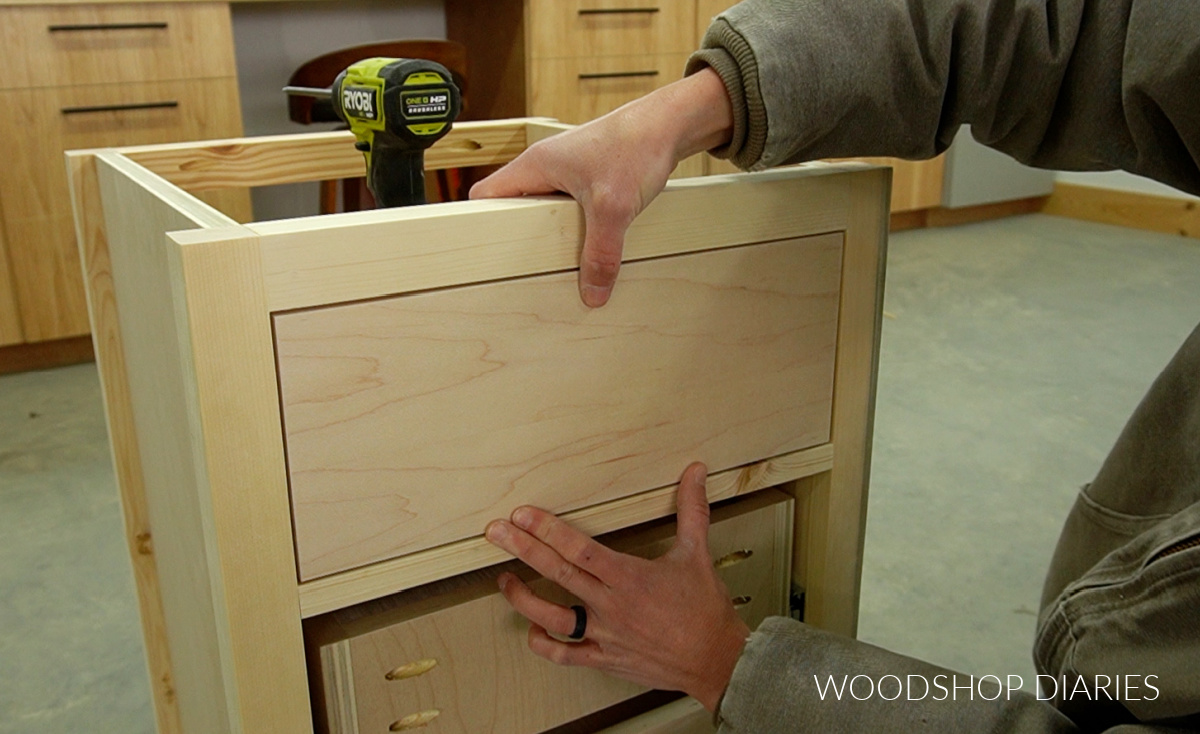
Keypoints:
pixel 396 108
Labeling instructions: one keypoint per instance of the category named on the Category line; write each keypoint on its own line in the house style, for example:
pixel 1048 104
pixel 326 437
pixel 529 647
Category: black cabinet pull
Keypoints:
pixel 617 11
pixel 107 27
pixel 618 74
pixel 119 107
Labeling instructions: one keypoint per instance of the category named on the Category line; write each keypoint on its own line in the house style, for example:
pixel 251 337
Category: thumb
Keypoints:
pixel 603 242
pixel 692 501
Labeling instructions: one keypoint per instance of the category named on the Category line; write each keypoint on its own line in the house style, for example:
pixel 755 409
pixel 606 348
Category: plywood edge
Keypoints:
pixel 196 211
pixel 389 252
pixel 1150 212
pixel 786 528
pixel 337 671
pixel 388 577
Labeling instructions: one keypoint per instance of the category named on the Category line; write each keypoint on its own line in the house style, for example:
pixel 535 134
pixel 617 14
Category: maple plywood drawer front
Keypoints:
pixel 51 45
pixel 411 422
pixel 592 28
pixel 452 657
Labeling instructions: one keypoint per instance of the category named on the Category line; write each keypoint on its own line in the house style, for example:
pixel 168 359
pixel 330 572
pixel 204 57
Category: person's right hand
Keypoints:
pixel 614 166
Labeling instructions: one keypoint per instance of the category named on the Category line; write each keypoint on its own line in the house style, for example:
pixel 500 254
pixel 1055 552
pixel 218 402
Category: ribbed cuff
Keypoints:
pixel 730 55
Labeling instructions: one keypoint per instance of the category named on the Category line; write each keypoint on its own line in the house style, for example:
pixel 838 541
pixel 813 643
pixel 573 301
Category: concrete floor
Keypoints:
pixel 1013 351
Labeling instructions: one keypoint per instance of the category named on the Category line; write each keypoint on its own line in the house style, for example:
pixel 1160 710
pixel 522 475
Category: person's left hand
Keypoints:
pixel 666 623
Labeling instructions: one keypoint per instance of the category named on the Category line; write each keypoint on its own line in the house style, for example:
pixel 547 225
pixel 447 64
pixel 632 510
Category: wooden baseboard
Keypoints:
pixel 44 355
pixel 1126 209
pixel 915 219
pixel 942 217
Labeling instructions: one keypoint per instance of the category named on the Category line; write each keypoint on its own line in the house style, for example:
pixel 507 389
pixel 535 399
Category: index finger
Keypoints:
pixel 545 560
pixel 575 547
pixel 518 178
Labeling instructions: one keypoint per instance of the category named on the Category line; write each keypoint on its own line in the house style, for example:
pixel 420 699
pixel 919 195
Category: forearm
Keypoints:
pixel 688 116
pixel 1071 84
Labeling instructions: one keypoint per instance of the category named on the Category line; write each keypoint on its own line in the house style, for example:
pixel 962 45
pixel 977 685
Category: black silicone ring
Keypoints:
pixel 580 622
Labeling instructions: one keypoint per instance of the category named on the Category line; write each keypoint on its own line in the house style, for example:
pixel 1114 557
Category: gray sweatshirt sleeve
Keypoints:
pixel 1064 84
pixel 795 678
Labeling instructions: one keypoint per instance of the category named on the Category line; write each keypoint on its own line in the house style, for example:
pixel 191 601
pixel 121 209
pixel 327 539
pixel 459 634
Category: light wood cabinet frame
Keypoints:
pixel 181 300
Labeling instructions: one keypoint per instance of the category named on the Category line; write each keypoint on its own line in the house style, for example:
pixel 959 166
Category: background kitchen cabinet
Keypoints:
pixel 86 76
pixel 573 60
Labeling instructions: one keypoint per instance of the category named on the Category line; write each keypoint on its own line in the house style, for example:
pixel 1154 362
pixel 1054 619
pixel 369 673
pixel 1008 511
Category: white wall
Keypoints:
pixel 1122 181
pixel 272 39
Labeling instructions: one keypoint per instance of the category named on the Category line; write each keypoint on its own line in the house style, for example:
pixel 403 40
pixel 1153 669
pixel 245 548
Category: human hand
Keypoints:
pixel 616 165
pixel 666 623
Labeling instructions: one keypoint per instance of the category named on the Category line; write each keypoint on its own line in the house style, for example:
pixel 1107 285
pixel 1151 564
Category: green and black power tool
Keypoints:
pixel 396 108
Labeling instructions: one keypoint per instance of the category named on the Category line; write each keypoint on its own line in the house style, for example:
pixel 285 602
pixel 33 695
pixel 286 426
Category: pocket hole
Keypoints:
pixel 733 558
pixel 411 670
pixel 741 601
pixel 414 721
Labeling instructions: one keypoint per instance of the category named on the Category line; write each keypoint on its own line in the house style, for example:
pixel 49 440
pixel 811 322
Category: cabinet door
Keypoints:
pixel 33 192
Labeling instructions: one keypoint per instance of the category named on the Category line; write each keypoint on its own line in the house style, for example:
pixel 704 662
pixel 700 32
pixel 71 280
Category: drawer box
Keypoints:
pixel 48 45
pixel 578 90
pixel 724 356
pixel 595 28
pixel 478 672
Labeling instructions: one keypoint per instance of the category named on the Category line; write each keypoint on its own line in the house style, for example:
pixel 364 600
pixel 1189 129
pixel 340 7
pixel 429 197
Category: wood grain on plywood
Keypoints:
pixel 151 427
pixel 411 422
pixel 394 251
pixel 459 649
pixel 371 582
pixel 92 237
pixel 203 396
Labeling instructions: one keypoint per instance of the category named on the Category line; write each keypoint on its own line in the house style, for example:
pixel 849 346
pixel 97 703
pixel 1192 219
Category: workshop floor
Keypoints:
pixel 1013 351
